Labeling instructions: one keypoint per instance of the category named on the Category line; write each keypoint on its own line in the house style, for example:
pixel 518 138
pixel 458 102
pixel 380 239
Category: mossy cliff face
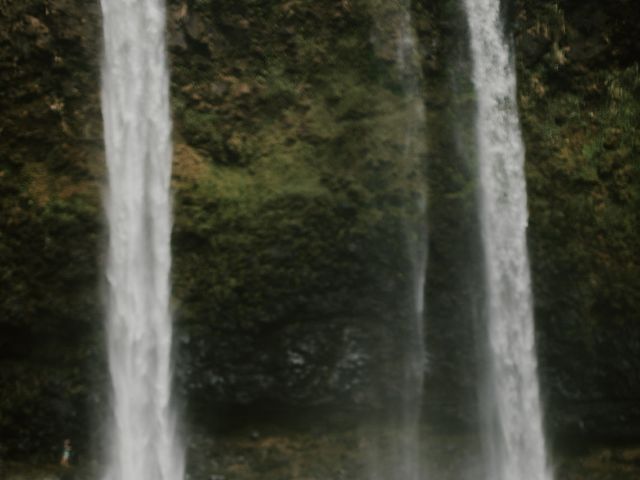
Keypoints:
pixel 294 200
pixel 51 144
pixel 294 193
pixel 580 109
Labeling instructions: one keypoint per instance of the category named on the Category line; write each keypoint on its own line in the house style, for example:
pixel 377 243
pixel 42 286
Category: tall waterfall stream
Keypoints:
pixel 514 437
pixel 137 128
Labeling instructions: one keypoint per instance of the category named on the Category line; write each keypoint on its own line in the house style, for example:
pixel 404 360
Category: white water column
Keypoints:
pixel 514 437
pixel 137 129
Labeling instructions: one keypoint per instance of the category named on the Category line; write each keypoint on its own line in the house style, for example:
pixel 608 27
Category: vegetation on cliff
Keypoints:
pixel 580 109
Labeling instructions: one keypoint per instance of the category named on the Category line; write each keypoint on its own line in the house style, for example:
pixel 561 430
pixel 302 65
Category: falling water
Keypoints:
pixel 410 466
pixel 137 132
pixel 514 435
pixel 400 457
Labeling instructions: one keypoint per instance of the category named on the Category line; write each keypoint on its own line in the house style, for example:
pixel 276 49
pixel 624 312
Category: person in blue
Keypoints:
pixel 67 450
pixel 66 460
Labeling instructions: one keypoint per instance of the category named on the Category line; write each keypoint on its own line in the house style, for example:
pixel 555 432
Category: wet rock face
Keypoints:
pixel 298 365
pixel 290 244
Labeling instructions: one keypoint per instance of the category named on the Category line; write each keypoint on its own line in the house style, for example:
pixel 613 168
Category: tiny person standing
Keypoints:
pixel 67 450
pixel 66 461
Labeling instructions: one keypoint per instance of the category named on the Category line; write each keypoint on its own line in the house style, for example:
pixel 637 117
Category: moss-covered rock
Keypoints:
pixel 49 225
pixel 580 106
pixel 290 242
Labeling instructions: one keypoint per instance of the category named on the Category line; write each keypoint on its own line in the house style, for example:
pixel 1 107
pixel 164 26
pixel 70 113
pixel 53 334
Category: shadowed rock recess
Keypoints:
pixel 291 201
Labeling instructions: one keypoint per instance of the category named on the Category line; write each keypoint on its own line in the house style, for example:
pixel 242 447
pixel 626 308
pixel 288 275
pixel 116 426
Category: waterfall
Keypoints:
pixel 137 129
pixel 400 455
pixel 514 434
pixel 410 465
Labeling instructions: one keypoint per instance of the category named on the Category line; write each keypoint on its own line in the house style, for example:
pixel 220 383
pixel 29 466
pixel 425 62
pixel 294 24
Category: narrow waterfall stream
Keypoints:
pixel 137 128
pixel 514 438
pixel 400 457
pixel 410 464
